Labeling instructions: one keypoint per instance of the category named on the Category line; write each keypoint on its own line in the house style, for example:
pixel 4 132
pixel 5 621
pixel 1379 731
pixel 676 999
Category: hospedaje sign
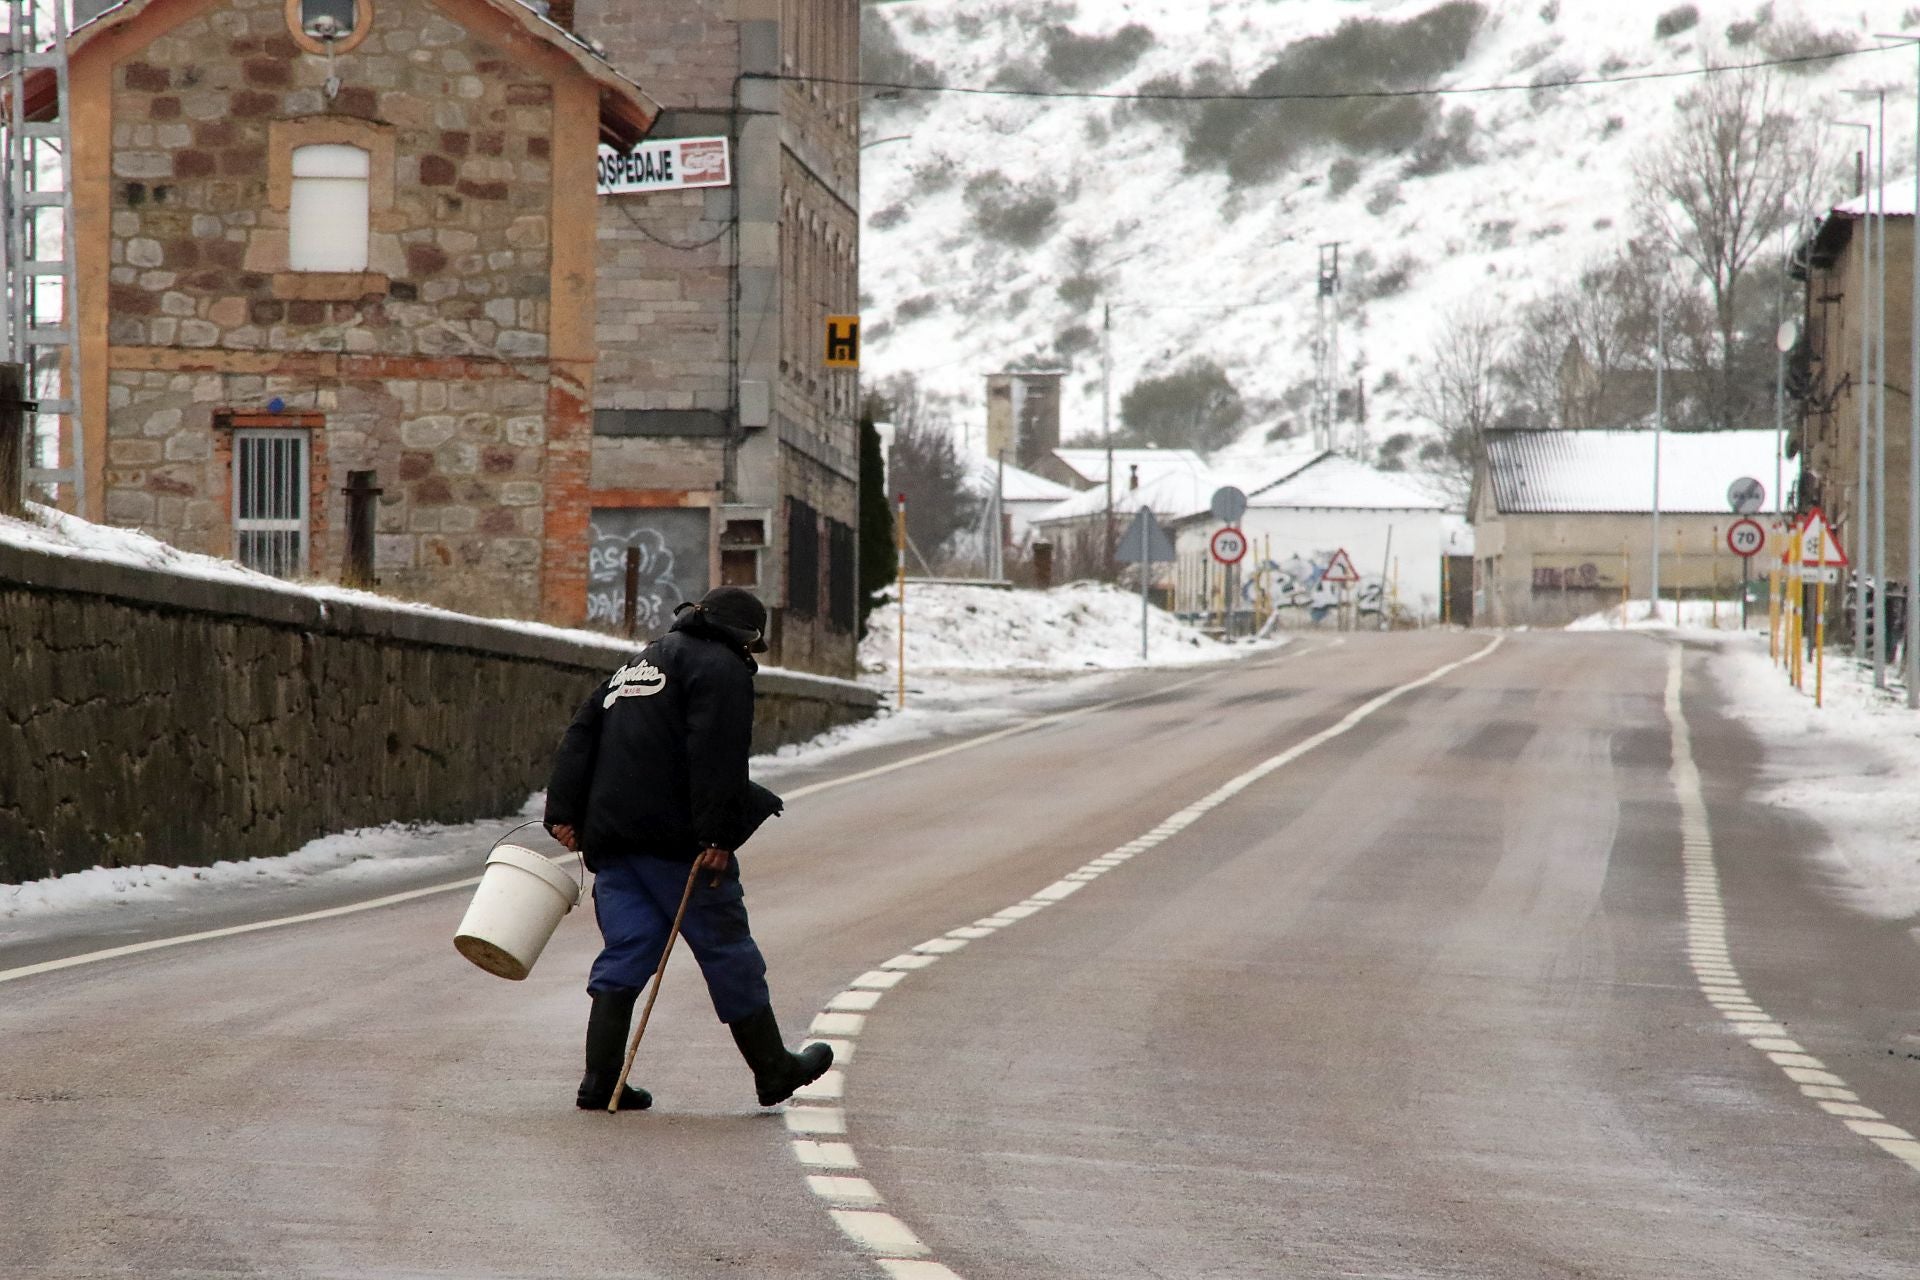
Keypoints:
pixel 671 164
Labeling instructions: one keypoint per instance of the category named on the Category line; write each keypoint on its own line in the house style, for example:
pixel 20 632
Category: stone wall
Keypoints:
pixel 154 718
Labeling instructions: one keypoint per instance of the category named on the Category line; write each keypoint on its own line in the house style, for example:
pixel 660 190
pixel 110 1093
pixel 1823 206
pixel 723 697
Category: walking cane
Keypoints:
pixel 673 935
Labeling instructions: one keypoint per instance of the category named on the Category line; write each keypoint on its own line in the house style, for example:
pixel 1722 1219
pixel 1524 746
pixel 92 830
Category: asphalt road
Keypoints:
pixel 1482 984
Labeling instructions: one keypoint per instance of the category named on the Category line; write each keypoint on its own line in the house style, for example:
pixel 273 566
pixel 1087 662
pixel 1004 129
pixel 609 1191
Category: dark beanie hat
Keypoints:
pixel 739 613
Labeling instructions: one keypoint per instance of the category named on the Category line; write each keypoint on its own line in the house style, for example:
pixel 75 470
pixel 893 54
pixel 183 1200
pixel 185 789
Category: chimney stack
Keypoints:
pixel 560 12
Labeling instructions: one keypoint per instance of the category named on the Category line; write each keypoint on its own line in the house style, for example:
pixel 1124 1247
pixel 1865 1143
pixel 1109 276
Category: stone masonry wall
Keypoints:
pixel 429 367
pixel 157 719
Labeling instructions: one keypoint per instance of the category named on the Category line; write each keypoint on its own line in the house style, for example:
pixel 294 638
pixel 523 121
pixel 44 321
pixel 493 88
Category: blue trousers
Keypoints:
pixel 634 899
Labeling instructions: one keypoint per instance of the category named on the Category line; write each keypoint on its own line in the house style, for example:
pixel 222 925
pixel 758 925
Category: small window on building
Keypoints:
pixel 327 219
pixel 324 20
pixel 270 501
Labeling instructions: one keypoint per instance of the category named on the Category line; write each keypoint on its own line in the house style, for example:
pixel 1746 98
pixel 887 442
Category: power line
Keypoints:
pixel 1147 95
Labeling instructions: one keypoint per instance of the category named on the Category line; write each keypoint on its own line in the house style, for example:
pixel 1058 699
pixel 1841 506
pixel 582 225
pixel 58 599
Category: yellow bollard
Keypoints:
pixel 1820 618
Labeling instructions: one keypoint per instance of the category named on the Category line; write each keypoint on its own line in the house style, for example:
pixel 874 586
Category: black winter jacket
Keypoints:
pixel 655 761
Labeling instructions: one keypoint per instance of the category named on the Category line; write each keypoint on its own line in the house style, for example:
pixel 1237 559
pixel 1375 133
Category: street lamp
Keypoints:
pixel 1862 507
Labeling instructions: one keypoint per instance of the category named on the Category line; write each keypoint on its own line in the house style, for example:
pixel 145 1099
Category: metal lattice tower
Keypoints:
pixel 1326 350
pixel 37 319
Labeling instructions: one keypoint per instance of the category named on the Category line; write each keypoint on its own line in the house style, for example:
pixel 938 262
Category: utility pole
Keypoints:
pixel 1659 425
pixel 1880 423
pixel 1326 345
pixel 1106 420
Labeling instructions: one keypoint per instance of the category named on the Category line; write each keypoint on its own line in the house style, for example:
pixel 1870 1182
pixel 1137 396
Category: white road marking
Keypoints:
pixel 837 1024
pixel 816 1120
pixel 825 1155
pixel 881 1232
pixel 914 1269
pixel 1712 962
pixel 840 1189
pixel 830 1087
pixel 878 1232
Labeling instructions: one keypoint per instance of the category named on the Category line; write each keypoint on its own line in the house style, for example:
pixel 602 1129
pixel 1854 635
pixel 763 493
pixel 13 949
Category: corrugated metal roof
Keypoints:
pixel 1612 471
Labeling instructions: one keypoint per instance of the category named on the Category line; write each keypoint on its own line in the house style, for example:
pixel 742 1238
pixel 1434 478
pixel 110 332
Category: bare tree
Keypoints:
pixel 1462 391
pixel 1720 188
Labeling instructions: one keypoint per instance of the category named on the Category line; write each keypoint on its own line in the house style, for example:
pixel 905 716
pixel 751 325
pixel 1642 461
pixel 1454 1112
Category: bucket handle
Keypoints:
pixel 541 822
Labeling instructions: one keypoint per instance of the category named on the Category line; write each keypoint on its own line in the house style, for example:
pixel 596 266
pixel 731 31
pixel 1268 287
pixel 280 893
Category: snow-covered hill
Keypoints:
pixel 995 227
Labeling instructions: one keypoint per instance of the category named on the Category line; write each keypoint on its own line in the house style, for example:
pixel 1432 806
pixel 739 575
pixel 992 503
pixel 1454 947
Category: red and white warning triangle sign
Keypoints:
pixel 1818 544
pixel 1340 569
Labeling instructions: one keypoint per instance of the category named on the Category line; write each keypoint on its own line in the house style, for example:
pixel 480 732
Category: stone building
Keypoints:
pixel 316 236
pixel 1827 377
pixel 1563 520
pixel 723 447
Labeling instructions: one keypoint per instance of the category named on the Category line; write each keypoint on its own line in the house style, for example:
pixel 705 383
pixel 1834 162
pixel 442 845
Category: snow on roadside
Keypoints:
pixel 1707 615
pixel 953 627
pixel 58 533
pixel 1851 766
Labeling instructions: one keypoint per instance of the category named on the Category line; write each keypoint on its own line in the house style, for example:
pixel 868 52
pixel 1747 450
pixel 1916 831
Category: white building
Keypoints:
pixel 1392 531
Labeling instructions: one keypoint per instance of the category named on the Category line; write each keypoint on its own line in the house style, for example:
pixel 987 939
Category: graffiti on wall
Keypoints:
pixel 672 547
pixel 1297 586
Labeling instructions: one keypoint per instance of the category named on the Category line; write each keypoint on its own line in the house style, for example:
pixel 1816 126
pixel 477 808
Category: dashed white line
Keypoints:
pixel 1712 960
pixel 855 1204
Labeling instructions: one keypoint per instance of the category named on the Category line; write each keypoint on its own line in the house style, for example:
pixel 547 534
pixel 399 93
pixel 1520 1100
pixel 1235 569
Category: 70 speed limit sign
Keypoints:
pixel 1229 545
pixel 1746 537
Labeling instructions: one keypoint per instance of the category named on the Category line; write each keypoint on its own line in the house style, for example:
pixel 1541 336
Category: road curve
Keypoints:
pixel 1420 1002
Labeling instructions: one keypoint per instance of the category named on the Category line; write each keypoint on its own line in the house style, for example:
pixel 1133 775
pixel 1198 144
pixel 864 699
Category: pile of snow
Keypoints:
pixel 1081 626
pixel 57 533
pixel 1850 765
pixel 1696 615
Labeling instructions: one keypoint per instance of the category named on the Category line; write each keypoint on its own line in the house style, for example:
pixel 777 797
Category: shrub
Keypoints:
pixel 1444 149
pixel 1081 291
pixel 1088 61
pixel 1680 18
pixel 891 216
pixel 1342 176
pixel 915 307
pixel 1252 140
pixel 1384 197
pixel 1195 407
pixel 1008 215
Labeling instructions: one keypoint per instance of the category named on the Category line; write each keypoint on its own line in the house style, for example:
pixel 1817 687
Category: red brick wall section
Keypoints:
pixel 569 478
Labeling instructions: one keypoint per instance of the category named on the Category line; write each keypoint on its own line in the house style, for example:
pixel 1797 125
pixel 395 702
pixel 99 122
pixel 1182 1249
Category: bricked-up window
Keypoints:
pixel 840 575
pixel 803 559
pixel 328 218
pixel 270 516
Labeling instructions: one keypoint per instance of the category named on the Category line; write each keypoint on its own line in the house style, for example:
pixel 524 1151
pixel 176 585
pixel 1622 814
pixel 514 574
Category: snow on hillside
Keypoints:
pixel 1039 210
pixel 953 627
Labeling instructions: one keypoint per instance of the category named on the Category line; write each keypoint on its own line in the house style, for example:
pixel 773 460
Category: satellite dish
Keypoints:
pixel 1789 335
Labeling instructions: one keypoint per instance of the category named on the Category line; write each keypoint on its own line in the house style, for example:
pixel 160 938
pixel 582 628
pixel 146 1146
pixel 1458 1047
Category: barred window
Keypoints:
pixel 803 559
pixel 270 517
pixel 841 575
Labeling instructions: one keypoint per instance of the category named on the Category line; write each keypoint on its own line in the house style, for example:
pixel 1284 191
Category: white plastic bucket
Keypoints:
pixel 519 903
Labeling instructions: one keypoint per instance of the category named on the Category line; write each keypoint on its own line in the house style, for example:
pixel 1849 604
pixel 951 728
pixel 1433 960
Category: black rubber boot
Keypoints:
pixel 776 1072
pixel 606 1051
